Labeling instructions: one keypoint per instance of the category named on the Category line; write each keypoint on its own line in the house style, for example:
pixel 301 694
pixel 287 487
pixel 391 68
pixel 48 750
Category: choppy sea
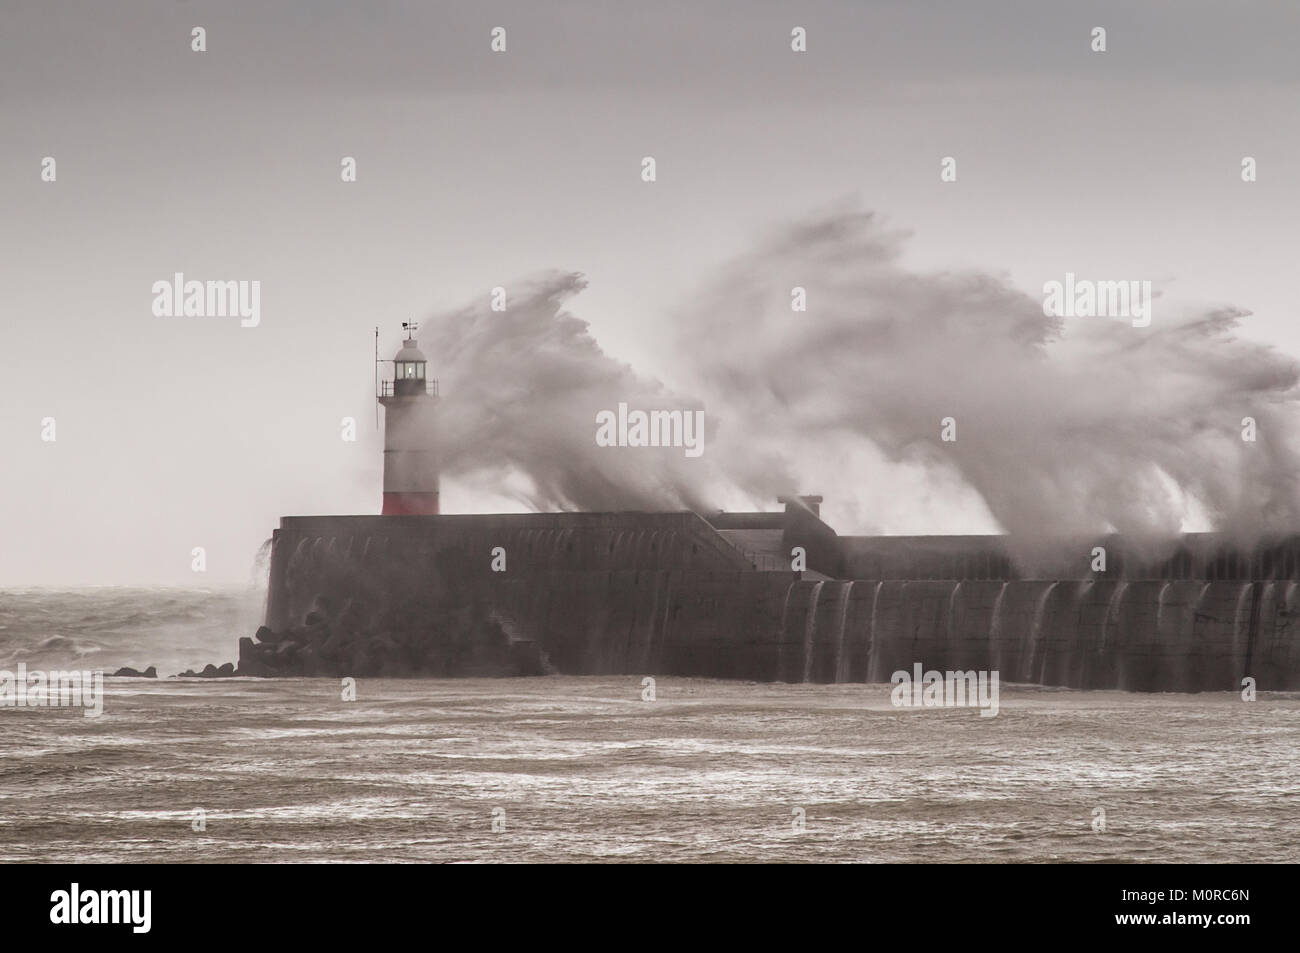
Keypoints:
pixel 561 768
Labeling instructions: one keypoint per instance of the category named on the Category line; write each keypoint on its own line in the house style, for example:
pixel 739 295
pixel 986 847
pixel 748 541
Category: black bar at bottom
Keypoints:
pixel 335 903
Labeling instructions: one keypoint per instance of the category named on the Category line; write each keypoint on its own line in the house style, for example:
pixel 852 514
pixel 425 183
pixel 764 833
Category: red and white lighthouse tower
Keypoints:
pixel 410 464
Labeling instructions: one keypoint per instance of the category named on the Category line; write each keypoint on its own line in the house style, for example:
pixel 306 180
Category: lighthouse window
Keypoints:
pixel 419 370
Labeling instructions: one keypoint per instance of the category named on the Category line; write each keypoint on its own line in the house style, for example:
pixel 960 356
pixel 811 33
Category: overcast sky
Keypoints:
pixel 477 169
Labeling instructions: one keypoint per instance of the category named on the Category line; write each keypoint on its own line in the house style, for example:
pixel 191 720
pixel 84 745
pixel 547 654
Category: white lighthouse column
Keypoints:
pixel 410 462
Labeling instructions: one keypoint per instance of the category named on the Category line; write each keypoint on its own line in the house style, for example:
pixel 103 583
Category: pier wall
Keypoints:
pixel 651 594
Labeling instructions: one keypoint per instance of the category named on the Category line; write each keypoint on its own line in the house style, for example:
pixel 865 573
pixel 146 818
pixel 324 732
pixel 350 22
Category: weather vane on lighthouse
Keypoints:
pixel 409 400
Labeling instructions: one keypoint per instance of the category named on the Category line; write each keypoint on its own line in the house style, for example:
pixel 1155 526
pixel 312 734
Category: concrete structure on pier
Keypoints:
pixel 684 594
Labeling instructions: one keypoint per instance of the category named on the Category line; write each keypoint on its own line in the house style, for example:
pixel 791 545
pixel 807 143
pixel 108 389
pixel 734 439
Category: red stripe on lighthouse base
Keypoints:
pixel 410 504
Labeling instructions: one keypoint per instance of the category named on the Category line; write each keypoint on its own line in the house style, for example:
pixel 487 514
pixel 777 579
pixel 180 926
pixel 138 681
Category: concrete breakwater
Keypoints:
pixel 647 594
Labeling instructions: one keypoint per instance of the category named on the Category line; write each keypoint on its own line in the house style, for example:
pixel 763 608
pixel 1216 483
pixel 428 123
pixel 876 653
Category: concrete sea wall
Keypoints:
pixel 649 594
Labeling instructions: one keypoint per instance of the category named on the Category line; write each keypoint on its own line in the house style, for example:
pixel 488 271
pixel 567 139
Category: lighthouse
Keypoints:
pixel 410 466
